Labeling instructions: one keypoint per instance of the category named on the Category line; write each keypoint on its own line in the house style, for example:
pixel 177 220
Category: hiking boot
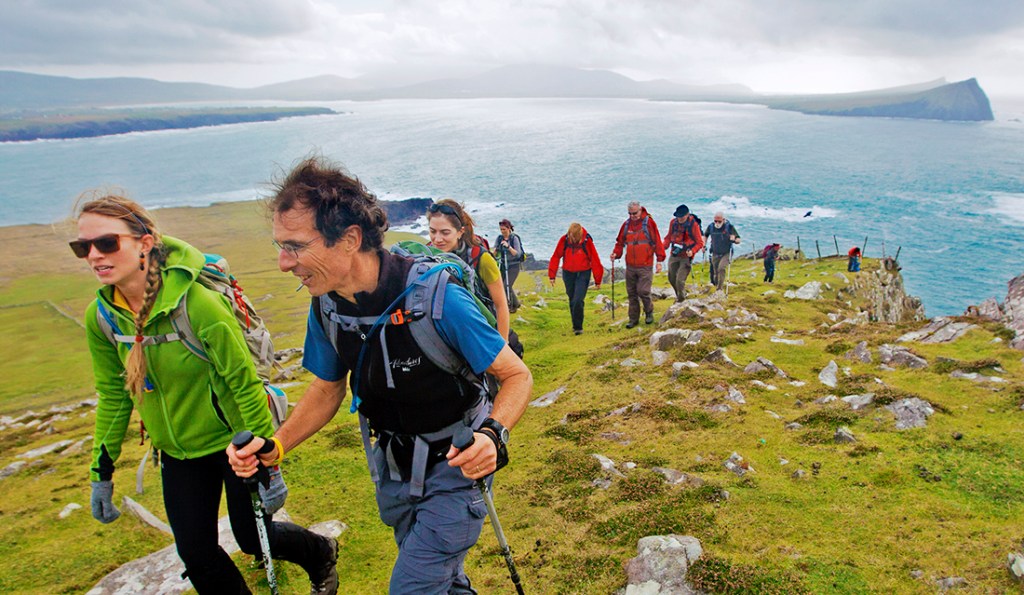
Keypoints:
pixel 577 331
pixel 632 323
pixel 324 580
pixel 649 318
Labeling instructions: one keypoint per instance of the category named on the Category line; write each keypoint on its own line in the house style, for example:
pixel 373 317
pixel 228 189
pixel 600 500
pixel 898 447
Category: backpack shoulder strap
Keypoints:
pixel 108 324
pixel 183 327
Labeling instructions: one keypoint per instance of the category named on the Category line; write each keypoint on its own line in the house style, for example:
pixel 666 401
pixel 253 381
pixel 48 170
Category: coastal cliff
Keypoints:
pixel 964 101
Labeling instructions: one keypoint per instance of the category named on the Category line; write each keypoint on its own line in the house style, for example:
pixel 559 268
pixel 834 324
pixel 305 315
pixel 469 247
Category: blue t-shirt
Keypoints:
pixel 461 325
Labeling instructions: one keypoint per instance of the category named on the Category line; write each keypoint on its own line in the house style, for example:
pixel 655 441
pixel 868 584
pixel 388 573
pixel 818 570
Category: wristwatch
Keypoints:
pixel 500 431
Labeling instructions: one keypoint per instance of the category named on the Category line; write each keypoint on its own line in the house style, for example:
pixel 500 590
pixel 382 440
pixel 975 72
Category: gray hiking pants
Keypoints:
pixel 720 264
pixel 678 271
pixel 638 289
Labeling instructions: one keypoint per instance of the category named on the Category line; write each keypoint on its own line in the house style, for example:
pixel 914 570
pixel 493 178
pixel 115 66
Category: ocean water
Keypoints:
pixel 949 196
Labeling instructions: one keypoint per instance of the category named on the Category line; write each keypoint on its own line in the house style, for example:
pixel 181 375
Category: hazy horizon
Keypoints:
pixel 773 46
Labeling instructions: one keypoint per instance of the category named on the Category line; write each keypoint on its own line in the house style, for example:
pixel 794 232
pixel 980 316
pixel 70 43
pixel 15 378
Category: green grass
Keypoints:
pixel 865 515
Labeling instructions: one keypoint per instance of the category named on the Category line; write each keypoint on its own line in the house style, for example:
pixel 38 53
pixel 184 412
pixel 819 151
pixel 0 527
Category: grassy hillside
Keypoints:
pixel 944 500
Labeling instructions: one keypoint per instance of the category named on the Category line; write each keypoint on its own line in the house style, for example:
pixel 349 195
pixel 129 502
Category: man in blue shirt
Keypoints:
pixel 330 230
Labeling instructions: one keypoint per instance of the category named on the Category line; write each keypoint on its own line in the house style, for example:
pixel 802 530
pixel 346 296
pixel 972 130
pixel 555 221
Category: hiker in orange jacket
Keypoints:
pixel 640 239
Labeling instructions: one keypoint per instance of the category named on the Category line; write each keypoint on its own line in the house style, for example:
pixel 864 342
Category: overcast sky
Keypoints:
pixel 768 45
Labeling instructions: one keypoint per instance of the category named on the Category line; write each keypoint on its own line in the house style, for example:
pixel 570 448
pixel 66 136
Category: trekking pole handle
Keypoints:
pixel 463 438
pixel 241 440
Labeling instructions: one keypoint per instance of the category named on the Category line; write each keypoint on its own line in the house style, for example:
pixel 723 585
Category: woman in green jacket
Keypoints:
pixel 190 407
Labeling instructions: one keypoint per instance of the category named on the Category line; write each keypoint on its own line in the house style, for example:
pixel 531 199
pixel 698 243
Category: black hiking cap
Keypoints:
pixel 681 211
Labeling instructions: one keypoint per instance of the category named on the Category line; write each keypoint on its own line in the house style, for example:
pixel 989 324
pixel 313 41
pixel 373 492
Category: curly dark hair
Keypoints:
pixel 337 199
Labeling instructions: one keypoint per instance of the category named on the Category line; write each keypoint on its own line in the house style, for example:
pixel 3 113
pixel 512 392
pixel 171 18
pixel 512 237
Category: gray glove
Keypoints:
pixel 103 509
pixel 274 494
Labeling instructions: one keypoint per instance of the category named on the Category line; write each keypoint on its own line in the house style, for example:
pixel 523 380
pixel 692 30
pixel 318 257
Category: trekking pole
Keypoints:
pixel 508 277
pixel 613 290
pixel 262 476
pixel 728 270
pixel 463 439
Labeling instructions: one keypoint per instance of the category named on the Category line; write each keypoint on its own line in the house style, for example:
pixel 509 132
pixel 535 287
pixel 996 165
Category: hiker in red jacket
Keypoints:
pixel 579 255
pixel 683 241
pixel 639 237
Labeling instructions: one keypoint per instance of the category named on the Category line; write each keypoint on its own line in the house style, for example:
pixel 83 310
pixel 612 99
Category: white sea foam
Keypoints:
pixel 1008 205
pixel 740 207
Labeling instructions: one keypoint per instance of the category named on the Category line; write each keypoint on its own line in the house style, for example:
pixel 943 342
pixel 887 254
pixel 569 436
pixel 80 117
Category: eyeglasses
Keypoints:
pixel 106 244
pixel 438 208
pixel 631 213
pixel 293 248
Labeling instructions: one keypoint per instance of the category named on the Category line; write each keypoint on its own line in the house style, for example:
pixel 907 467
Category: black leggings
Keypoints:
pixel 192 491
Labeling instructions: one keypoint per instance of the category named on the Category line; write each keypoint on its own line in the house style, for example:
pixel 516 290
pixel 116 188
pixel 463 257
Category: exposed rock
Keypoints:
pixel 737 465
pixel 774 339
pixel 11 469
pixel 631 408
pixel 674 337
pixel 825 400
pixel 35 453
pixel 719 356
pixel 842 278
pixel 900 356
pixel 678 367
pixel 144 515
pixel 662 293
pixel 754 367
pixel 631 362
pixel 859 401
pixel 887 297
pixel 810 291
pixel 615 437
pixel 939 330
pixel 602 483
pixel 767 363
pixel 331 529
pixel 661 565
pixel 952 582
pixel 674 477
pixel 976 377
pixel 548 398
pixel 607 465
pixel 794 426
pixel 736 396
pixel 540 304
pixel 1015 564
pixel 797 383
pixel 860 353
pixel 910 413
pixel 760 384
pixel 799 474
pixel 67 510
pixel 843 435
pixel 601 299
pixel 827 376
pixel 660 358
pixel 773 414
pixel 723 408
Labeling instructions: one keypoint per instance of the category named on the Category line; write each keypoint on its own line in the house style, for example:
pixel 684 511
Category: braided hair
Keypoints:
pixel 140 223
pixel 337 199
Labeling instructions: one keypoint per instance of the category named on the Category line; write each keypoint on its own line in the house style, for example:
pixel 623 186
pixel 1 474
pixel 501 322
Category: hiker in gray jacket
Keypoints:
pixel 720 235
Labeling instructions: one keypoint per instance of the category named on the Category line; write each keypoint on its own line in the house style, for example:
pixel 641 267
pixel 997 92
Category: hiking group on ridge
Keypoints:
pixel 418 337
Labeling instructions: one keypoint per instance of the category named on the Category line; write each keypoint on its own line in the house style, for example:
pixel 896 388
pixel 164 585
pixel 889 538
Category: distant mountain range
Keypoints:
pixel 26 92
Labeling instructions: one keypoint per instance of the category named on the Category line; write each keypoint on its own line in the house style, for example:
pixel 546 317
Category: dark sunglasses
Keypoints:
pixel 106 244
pixel 436 208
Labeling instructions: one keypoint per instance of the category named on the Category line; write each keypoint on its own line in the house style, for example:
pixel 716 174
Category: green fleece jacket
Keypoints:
pixel 195 407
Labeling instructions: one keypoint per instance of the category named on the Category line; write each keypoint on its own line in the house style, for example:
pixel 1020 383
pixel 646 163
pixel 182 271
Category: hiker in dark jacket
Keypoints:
pixel 720 236
pixel 331 232
pixel 508 251
pixel 771 254
pixel 639 238
pixel 682 242
pixel 579 257
pixel 191 406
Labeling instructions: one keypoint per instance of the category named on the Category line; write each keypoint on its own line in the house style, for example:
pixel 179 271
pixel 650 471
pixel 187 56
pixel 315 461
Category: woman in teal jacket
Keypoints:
pixel 190 407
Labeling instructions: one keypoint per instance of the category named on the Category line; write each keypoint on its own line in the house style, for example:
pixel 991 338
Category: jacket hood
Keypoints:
pixel 180 270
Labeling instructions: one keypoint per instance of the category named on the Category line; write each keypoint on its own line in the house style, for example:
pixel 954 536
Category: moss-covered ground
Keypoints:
pixel 944 499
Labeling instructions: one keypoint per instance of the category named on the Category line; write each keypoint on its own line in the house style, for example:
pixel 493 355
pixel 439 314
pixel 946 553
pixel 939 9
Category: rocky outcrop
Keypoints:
pixel 887 300
pixel 661 564
pixel 1010 312
pixel 402 212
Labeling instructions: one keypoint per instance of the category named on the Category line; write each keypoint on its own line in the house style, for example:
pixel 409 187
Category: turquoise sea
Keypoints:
pixel 949 196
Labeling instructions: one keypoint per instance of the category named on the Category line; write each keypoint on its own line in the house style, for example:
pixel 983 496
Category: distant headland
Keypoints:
pixel 104 122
